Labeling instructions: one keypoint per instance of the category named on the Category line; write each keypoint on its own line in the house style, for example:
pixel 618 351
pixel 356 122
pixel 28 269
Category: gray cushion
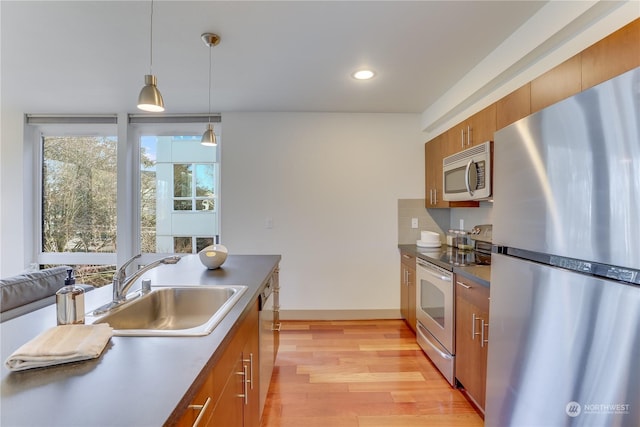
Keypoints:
pixel 30 291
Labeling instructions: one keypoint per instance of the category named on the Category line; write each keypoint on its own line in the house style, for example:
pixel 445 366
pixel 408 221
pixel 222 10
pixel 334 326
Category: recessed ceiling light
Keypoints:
pixel 363 75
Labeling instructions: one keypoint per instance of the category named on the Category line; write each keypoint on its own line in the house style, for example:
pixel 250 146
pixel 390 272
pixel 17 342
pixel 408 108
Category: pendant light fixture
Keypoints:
pixel 209 137
pixel 150 98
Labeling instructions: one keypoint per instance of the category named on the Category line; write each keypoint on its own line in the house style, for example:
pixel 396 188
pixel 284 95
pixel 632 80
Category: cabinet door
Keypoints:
pixel 228 411
pixel 472 321
pixel 482 125
pixel 514 106
pixel 251 365
pixel 408 289
pixel 611 56
pixel 433 172
pixel 201 407
pixel 411 300
pixel 556 84
pixel 475 130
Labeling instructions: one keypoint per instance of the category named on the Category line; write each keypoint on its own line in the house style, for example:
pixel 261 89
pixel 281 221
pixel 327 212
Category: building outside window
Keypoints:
pixel 179 181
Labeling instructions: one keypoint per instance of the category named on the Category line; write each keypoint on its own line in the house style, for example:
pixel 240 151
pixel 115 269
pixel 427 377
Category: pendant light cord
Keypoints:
pixel 209 84
pixel 151 43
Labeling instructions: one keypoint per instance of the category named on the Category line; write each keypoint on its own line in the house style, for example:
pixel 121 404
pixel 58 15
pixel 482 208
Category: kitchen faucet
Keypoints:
pixel 122 283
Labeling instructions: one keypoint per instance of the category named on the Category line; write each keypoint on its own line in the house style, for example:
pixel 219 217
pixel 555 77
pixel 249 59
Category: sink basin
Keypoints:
pixel 174 311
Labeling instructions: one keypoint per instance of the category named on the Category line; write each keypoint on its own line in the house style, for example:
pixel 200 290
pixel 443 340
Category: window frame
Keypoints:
pixel 127 128
pixel 62 127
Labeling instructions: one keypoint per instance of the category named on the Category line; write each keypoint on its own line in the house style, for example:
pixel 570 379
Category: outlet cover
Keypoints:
pixel 414 222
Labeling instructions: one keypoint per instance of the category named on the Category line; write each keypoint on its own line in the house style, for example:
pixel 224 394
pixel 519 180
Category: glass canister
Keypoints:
pixel 452 238
pixel 464 241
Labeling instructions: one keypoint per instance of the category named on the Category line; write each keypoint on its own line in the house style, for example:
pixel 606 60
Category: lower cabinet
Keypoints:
pixel 472 338
pixel 408 289
pixel 230 395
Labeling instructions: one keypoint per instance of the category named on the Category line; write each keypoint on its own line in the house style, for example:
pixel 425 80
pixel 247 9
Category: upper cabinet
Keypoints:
pixel 475 130
pixel 513 107
pixel 556 84
pixel 604 60
pixel 611 56
pixel 433 155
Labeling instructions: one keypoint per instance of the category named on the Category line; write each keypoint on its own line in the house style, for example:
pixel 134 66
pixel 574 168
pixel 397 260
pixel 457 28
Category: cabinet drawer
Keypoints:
pixel 473 292
pixel 408 259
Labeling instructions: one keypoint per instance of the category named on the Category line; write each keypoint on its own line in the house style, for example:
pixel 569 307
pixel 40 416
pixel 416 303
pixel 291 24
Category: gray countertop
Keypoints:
pixel 137 381
pixel 445 255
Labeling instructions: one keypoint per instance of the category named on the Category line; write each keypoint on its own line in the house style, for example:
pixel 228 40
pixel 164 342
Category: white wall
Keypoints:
pixel 12 190
pixel 330 185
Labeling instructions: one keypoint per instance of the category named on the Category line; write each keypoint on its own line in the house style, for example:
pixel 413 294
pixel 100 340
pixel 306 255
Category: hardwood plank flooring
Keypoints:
pixel 359 374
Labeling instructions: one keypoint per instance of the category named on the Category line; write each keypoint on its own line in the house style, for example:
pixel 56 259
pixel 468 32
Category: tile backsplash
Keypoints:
pixel 436 220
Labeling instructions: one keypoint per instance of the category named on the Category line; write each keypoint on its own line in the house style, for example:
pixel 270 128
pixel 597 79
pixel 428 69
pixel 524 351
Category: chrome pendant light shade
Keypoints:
pixel 150 98
pixel 209 137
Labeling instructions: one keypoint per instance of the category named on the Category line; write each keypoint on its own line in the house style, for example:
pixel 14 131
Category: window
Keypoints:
pixel 77 196
pixel 178 191
pixel 85 214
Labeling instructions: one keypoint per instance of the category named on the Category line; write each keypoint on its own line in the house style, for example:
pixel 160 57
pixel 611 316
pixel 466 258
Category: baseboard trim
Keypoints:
pixel 339 314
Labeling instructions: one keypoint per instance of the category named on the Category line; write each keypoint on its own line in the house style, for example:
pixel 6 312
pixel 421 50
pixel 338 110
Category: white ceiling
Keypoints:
pixel 90 57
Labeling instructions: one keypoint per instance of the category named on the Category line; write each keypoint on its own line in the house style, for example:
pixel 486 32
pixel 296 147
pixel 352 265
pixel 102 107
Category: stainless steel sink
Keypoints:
pixel 174 311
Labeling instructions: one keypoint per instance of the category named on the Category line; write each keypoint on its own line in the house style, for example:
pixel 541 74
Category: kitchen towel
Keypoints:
pixel 61 344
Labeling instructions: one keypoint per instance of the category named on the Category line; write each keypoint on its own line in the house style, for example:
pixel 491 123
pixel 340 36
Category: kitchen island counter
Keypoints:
pixel 137 381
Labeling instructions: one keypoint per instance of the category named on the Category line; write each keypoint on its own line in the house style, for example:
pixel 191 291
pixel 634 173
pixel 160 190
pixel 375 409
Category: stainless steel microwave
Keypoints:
pixel 466 175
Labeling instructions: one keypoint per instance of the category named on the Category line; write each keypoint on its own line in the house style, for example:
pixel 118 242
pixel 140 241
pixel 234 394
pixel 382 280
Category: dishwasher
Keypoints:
pixel 269 332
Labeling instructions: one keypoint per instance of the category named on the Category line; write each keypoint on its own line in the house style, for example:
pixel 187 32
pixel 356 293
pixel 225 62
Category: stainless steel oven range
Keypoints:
pixel 435 316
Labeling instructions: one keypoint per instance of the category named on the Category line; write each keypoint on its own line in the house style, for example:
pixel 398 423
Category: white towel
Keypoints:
pixel 61 344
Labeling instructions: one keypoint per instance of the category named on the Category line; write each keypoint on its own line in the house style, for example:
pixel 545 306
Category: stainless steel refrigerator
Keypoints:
pixel 564 326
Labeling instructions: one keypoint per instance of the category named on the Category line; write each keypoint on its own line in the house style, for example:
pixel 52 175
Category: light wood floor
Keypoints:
pixel 359 374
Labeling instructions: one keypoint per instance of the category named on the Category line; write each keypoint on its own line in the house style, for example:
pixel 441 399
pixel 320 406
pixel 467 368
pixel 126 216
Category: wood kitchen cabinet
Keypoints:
pixel 475 130
pixel 556 84
pixel 229 396
pixel 472 338
pixel 611 56
pixel 514 106
pixel 433 155
pixel 408 289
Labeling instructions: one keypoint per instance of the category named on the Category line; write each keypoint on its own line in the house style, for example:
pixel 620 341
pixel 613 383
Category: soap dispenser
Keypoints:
pixel 70 302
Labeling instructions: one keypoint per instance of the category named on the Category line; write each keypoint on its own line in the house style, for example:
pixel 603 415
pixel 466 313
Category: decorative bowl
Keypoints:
pixel 213 256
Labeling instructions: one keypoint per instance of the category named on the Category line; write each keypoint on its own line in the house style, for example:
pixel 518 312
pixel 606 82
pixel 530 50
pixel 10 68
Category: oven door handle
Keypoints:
pixel 432 345
pixel 445 278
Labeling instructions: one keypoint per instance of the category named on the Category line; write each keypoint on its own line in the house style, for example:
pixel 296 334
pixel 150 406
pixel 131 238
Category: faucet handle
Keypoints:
pixel 121 273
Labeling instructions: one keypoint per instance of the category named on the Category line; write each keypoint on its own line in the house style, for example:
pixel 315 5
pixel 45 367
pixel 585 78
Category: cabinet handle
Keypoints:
pixel 250 362
pixel 463 285
pixel 469 136
pixel 461 138
pixel 431 196
pixel 483 325
pixel 202 409
pixel 244 394
pixel 435 196
pixel 473 327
